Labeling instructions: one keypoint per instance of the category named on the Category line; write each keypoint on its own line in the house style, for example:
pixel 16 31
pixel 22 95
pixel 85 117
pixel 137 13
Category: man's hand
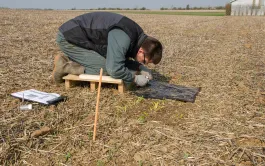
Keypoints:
pixel 141 80
pixel 146 72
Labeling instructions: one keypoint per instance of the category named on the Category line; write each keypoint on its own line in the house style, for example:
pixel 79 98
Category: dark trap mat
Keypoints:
pixel 163 90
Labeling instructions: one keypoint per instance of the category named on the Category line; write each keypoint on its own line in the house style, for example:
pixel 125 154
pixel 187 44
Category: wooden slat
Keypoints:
pixel 93 78
pixel 105 79
pixel 67 84
pixel 121 88
pixel 92 86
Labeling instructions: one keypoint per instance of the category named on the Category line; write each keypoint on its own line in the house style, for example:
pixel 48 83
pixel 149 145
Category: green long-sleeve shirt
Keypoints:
pixel 116 63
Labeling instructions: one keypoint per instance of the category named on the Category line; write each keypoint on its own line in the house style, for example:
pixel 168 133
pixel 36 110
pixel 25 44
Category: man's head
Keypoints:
pixel 150 51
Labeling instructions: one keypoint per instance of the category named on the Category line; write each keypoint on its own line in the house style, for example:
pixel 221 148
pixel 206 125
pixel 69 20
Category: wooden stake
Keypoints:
pixel 96 115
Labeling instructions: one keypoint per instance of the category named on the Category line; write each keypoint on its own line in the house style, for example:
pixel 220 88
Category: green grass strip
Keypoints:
pixel 174 13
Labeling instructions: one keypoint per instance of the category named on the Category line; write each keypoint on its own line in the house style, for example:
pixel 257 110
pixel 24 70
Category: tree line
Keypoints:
pixel 188 7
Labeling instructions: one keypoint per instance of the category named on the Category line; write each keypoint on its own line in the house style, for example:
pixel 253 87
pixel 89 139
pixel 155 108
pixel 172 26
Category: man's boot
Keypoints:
pixel 63 66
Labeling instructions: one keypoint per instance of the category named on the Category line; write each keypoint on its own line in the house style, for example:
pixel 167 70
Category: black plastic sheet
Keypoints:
pixel 163 90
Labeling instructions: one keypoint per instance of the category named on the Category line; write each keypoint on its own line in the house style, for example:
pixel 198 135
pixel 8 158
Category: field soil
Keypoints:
pixel 225 126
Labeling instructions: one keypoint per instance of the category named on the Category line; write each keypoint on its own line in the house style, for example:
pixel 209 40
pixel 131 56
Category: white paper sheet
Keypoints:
pixel 36 96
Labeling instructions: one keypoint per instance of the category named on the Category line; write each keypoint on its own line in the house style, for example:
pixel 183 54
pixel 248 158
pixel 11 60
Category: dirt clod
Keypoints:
pixel 42 131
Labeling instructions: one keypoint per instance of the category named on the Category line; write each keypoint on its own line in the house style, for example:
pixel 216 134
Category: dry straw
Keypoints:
pixel 225 126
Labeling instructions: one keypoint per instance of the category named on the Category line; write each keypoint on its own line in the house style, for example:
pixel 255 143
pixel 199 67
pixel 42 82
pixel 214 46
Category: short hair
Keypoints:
pixel 153 49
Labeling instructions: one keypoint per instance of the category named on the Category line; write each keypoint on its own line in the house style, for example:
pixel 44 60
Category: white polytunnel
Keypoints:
pixel 247 7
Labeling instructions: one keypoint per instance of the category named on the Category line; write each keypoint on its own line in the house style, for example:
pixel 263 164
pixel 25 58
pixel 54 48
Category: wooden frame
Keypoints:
pixel 93 79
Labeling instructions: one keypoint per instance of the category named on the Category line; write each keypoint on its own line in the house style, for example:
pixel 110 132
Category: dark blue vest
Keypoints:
pixel 90 31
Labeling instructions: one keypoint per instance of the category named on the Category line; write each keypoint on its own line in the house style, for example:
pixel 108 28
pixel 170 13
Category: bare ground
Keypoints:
pixel 225 126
